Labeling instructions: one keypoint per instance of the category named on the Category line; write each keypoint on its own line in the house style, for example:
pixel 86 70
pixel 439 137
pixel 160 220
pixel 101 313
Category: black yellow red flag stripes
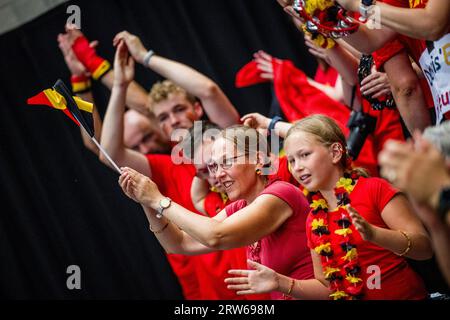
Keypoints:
pixel 59 97
pixel 77 109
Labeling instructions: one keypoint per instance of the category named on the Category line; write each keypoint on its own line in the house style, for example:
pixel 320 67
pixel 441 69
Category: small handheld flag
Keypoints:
pixel 78 110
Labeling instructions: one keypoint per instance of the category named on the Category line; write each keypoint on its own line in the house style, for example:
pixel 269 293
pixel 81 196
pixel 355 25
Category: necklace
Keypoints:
pixel 331 236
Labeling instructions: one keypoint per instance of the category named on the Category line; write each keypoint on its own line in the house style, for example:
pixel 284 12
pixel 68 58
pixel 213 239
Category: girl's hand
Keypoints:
pixel 365 229
pixel 260 280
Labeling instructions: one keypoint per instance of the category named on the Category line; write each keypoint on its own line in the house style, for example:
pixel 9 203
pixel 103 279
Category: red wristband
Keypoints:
pixel 80 83
pixel 96 65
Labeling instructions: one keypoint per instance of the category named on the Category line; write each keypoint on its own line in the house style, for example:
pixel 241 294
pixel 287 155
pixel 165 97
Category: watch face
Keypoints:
pixel 165 202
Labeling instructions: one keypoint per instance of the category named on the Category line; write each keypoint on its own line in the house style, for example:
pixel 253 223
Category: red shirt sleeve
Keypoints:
pixel 383 192
pixel 235 206
pixel 288 193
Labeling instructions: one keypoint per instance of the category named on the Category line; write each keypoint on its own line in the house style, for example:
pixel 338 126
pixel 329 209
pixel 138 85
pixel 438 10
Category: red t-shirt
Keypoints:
pixel 326 76
pixel 214 266
pixel 174 181
pixel 284 250
pixel 398 280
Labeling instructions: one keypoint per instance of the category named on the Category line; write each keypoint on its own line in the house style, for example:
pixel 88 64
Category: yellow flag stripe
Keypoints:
pixel 84 105
pixel 56 99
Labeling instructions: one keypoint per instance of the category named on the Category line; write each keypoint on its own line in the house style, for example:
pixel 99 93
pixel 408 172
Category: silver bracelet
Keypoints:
pixel 147 57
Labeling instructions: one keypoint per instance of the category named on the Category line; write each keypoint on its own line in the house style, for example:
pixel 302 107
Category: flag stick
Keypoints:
pixel 106 155
pixel 101 149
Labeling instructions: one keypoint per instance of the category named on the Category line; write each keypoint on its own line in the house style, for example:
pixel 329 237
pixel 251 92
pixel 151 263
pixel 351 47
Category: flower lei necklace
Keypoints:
pixel 332 237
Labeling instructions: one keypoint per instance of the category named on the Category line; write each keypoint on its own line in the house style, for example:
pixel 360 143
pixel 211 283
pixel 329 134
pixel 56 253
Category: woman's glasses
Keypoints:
pixel 226 164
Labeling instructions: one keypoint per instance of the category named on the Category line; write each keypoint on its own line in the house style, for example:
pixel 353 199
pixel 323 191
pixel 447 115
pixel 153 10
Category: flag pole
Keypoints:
pixel 102 150
pixel 106 155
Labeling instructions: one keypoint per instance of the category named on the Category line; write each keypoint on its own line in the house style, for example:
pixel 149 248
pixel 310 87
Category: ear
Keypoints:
pixel 198 109
pixel 337 152
pixel 262 160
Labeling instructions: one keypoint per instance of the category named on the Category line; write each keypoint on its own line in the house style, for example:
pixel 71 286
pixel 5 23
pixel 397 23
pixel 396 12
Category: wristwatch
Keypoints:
pixel 364 9
pixel 163 204
pixel 444 203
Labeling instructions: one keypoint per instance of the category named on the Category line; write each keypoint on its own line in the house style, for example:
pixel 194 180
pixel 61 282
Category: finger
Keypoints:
pixel 122 177
pixel 131 62
pixel 267 76
pixel 239 286
pixel 372 88
pixel 369 78
pixel 254 265
pixel 265 55
pixel 248 115
pixel 245 292
pixel 239 272
pixel 237 280
pixel 93 44
pixel 381 93
pixel 118 37
pixel 249 123
pixel 265 68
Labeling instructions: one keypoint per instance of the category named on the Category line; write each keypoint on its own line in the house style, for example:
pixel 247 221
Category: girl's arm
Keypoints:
pixel 406 234
pixel 263 279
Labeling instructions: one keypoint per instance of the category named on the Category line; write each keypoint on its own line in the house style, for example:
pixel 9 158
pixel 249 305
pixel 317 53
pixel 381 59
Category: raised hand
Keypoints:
pixel 134 44
pixel 75 66
pixel 264 64
pixel 317 51
pixel 65 42
pixel 260 280
pixel 123 65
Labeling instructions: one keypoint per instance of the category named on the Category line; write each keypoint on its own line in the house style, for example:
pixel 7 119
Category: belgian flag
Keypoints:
pixel 78 110
pixel 59 97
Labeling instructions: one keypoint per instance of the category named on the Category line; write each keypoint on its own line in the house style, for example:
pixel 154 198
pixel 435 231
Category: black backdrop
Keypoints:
pixel 59 205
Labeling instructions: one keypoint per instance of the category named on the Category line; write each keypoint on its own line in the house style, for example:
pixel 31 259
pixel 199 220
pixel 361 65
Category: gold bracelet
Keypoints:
pixel 160 230
pixel 291 287
pixel 408 247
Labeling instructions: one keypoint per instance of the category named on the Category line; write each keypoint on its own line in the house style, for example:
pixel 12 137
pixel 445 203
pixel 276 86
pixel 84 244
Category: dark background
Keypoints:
pixel 59 205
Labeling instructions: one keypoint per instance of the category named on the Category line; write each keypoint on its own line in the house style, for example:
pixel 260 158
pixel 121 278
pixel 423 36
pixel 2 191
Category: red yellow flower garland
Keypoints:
pixel 331 235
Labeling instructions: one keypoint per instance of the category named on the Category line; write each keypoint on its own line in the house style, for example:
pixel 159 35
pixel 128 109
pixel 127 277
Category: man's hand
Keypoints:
pixel 134 44
pixel 123 65
pixel 418 169
pixel 376 85
pixel 65 42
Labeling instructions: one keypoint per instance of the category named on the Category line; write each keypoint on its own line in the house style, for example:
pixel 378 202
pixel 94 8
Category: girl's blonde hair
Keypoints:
pixel 326 131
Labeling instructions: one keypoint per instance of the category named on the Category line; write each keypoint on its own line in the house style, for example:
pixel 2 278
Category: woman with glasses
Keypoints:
pixel 267 216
